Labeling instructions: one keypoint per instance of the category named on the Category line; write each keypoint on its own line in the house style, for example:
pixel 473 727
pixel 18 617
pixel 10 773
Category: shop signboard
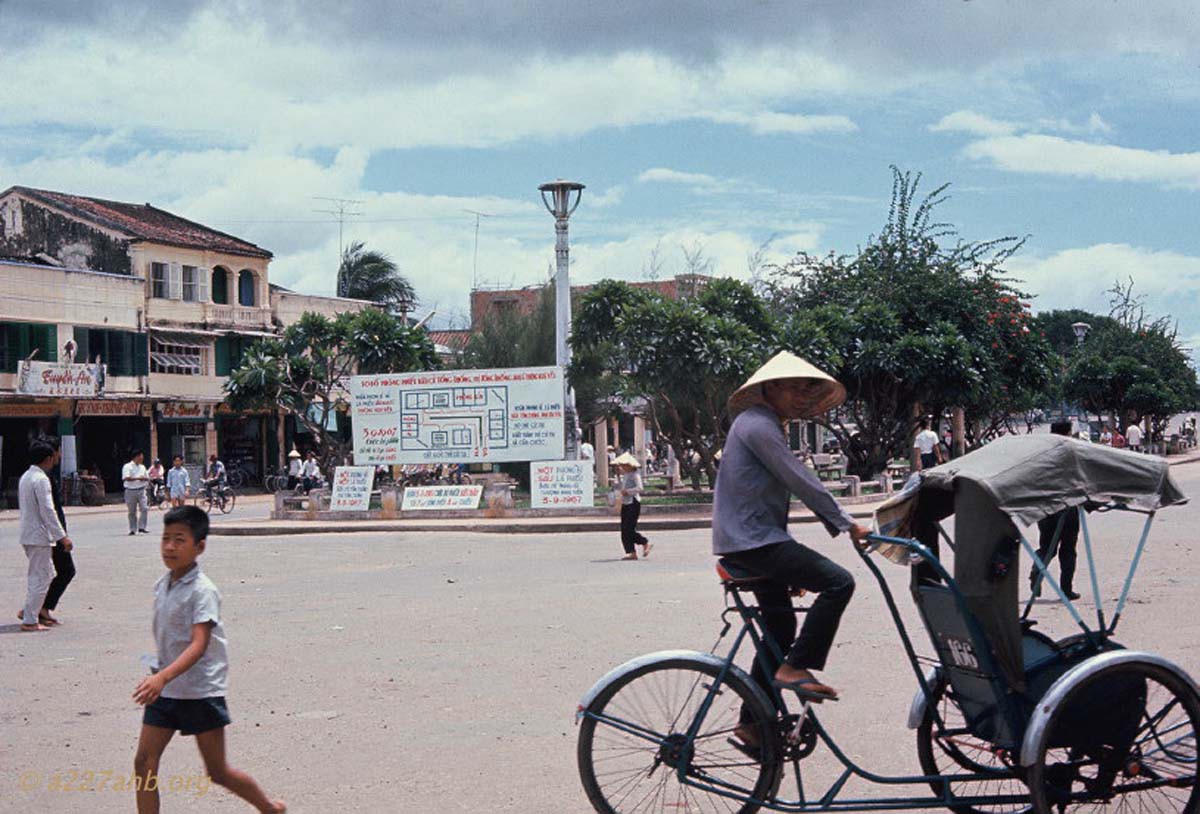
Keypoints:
pixel 109 407
pixel 435 498
pixel 561 484
pixel 459 416
pixel 9 409
pixel 352 488
pixel 184 411
pixel 60 379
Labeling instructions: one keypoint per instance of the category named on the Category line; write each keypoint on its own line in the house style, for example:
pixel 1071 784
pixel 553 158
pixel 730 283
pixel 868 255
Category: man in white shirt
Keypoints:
pixel 929 453
pixel 40 530
pixel 134 477
pixel 310 473
pixel 586 451
pixel 1133 437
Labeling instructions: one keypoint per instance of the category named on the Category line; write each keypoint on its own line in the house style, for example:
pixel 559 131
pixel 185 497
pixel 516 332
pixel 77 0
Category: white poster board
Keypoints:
pixel 561 484
pixel 458 416
pixel 352 488
pixel 434 498
pixel 60 379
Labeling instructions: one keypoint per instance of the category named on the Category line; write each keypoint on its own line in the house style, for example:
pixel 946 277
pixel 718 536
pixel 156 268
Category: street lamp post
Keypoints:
pixel 1081 331
pixel 561 199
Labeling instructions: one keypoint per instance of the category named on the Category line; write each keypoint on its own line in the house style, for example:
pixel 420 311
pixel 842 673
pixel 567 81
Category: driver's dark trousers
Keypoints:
pixel 1067 544
pixel 791 565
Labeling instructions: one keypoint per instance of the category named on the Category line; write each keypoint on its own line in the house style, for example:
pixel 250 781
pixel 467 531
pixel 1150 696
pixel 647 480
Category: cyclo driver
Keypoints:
pixel 759 473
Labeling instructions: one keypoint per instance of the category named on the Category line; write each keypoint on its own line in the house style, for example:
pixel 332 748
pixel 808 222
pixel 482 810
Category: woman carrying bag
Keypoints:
pixel 631 505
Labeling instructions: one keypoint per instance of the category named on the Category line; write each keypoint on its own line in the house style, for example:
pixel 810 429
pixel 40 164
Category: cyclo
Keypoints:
pixel 1007 718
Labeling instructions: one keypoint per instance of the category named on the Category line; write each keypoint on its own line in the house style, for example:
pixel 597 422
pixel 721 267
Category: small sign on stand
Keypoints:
pixel 561 484
pixel 352 488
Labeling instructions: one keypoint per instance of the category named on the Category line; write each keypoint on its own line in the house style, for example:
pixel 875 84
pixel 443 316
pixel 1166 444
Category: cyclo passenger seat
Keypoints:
pixel 737 578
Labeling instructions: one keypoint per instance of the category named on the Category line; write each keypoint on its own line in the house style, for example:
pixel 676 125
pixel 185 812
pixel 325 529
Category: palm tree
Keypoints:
pixel 372 275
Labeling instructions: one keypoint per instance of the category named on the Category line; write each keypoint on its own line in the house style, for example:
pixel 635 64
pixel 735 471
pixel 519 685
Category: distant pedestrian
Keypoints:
pixel 40 532
pixel 186 692
pixel 1133 437
pixel 294 466
pixel 929 451
pixel 134 478
pixel 1068 538
pixel 64 563
pixel 631 506
pixel 179 482
pixel 1106 437
pixel 586 451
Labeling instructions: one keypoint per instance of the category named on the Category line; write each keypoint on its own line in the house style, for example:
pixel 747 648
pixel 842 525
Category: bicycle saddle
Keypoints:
pixel 733 574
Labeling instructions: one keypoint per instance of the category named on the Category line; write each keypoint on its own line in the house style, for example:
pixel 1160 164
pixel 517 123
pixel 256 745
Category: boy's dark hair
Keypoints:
pixel 176 457
pixel 39 451
pixel 195 518
pixel 923 423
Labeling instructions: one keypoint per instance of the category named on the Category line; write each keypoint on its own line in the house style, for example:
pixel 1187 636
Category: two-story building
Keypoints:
pixel 166 304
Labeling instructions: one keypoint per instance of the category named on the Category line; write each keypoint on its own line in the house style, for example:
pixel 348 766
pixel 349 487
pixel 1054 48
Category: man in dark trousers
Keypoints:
pixel 759 473
pixel 64 563
pixel 1067 541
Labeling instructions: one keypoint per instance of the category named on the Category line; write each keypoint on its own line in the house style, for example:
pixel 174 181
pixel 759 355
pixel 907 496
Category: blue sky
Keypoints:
pixel 700 125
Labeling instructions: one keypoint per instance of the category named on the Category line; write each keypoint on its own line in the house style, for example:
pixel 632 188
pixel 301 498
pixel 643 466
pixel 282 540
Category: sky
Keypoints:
pixel 701 128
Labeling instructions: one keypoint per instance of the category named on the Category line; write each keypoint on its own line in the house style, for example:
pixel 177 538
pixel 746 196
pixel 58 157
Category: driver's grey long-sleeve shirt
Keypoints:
pixel 758 475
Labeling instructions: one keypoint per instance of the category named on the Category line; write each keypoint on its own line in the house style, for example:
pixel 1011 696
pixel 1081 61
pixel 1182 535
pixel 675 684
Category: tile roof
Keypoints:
pixel 455 340
pixel 143 222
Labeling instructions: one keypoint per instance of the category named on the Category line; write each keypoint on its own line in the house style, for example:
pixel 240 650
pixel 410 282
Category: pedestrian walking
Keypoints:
pixel 310 473
pixel 60 555
pixel 1068 538
pixel 929 451
pixel 179 482
pixel 134 478
pixel 40 532
pixel 586 451
pixel 630 491
pixel 294 467
pixel 1133 437
pixel 186 691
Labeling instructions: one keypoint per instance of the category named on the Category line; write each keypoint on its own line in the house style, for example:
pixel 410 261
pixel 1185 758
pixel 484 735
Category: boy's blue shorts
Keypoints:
pixel 190 716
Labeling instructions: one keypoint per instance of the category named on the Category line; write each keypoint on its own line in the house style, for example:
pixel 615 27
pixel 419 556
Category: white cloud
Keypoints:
pixel 770 122
pixel 968 121
pixel 665 175
pixel 1079 278
pixel 1054 155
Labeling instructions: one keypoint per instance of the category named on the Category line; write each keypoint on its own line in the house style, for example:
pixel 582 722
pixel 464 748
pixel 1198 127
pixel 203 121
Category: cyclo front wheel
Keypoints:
pixel 625 773
pixel 1123 739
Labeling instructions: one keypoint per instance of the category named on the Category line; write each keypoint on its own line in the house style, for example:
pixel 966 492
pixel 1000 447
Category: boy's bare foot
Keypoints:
pixel 33 628
pixel 646 549
pixel 787 674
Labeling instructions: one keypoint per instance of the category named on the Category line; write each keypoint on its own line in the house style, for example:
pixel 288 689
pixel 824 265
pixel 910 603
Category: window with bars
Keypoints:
pixel 170 354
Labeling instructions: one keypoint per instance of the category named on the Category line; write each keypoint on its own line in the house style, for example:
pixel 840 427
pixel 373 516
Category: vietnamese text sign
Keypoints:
pixel 98 407
pixel 352 488
pixel 561 484
pixel 60 379
pixel 458 416
pixel 430 498
pixel 183 411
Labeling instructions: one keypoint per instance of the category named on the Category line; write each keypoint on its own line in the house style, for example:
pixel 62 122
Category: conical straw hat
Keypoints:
pixel 828 394
pixel 625 459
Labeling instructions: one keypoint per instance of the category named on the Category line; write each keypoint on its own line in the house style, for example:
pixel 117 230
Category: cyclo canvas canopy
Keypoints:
pixel 1015 480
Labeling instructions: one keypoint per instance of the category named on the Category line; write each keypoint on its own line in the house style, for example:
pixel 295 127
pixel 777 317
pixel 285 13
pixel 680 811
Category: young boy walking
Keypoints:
pixel 186 692
pixel 179 482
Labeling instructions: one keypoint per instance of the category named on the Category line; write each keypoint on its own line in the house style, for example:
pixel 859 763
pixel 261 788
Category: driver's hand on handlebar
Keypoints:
pixel 859 535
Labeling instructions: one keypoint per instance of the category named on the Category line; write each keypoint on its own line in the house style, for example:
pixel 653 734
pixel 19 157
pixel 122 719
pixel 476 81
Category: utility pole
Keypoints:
pixel 475 258
pixel 561 198
pixel 342 208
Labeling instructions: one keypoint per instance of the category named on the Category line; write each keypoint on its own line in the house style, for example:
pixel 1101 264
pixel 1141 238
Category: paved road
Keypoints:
pixel 440 673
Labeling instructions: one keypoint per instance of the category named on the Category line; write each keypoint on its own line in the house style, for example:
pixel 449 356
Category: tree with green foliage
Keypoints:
pixel 371 275
pixel 916 319
pixel 306 370
pixel 681 358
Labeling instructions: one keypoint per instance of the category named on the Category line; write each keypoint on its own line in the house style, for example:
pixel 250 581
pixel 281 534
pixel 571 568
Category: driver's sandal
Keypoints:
pixel 799 687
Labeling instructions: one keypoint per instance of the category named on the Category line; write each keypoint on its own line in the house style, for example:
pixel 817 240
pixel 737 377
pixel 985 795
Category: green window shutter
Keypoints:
pixel 81 344
pixel 223 354
pixel 49 341
pixel 141 355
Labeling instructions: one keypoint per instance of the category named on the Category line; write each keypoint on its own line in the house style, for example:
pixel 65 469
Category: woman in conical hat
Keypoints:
pixel 631 505
pixel 759 473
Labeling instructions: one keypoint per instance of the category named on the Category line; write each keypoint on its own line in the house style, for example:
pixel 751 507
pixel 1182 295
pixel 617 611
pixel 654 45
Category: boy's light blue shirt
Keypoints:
pixel 178 480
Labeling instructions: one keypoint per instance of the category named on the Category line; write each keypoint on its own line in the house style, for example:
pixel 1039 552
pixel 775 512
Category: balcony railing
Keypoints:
pixel 237 315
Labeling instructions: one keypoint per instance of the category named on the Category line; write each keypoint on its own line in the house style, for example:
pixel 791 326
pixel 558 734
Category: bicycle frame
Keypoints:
pixel 752 626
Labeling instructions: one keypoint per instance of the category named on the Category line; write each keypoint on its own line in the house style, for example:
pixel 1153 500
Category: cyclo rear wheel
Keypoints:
pixel 1092 757
pixel 623 773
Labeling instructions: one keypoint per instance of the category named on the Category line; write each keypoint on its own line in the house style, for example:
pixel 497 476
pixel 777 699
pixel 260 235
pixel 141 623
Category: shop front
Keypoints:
pixel 247 442
pixel 107 432
pixel 184 428
pixel 21 421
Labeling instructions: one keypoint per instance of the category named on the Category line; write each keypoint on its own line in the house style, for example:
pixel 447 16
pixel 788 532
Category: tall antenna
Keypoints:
pixel 343 208
pixel 475 260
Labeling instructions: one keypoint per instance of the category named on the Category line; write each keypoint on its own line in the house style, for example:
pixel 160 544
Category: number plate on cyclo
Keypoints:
pixel 960 653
